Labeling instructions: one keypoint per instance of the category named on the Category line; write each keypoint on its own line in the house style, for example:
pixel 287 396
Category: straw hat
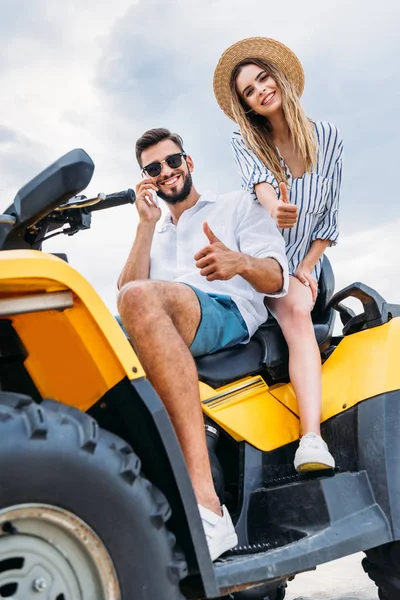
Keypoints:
pixel 254 47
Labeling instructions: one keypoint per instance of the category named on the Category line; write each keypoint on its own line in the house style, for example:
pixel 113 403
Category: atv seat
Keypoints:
pixel 267 350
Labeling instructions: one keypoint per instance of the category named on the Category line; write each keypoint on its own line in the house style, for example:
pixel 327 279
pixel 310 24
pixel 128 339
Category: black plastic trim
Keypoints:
pixel 133 410
pixel 376 310
pixel 66 177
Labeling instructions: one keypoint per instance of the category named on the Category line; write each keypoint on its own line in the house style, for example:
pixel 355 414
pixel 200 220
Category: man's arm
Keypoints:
pixel 217 262
pixel 137 265
pixel 264 274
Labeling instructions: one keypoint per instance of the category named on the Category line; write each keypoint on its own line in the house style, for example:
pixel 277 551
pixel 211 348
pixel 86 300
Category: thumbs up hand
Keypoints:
pixel 216 261
pixel 284 214
pixel 212 238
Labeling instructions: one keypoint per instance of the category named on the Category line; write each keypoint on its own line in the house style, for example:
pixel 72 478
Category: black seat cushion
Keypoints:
pixel 231 363
pixel 267 349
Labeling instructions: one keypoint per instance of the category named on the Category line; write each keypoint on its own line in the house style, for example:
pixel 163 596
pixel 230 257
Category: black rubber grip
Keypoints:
pixel 118 199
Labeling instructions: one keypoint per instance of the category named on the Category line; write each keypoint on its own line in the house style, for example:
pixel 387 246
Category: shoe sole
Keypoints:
pixel 226 544
pixel 312 467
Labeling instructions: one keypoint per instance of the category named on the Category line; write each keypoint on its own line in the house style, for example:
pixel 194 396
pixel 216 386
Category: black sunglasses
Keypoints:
pixel 173 161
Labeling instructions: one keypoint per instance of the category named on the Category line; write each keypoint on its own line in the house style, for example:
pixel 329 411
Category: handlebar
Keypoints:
pixel 76 214
pixel 112 200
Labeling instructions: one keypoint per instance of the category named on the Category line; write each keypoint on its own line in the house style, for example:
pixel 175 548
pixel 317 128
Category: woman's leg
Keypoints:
pixel 293 313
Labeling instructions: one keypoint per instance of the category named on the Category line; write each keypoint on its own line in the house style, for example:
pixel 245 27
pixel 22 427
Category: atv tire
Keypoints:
pixel 382 564
pixel 59 467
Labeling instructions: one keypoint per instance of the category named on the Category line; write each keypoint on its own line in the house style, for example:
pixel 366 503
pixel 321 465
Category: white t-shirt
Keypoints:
pixel 242 225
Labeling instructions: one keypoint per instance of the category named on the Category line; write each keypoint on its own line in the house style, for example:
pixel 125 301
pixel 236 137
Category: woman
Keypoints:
pixel 293 166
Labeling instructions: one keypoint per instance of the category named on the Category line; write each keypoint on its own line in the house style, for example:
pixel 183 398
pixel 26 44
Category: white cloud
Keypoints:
pixel 372 257
pixel 96 74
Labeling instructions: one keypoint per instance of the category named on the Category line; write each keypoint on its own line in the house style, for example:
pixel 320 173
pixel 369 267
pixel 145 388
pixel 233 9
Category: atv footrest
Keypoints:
pixel 331 517
pixel 246 550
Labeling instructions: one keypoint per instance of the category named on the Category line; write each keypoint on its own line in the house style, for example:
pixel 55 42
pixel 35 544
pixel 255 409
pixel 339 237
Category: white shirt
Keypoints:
pixel 316 194
pixel 242 225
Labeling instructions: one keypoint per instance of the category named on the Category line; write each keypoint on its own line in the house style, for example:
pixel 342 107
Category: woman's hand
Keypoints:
pixel 303 274
pixel 284 213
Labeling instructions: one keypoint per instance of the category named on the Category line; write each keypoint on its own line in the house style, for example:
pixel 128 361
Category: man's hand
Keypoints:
pixel 216 261
pixel 147 208
pixel 284 213
pixel 303 274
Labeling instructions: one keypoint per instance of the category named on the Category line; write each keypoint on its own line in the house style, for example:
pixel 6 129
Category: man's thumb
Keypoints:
pixel 212 238
pixel 284 193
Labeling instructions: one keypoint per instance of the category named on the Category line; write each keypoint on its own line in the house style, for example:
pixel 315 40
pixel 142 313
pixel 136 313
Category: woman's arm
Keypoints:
pixel 257 178
pixel 280 209
pixel 326 232
pixel 315 252
pixel 305 268
pixel 328 228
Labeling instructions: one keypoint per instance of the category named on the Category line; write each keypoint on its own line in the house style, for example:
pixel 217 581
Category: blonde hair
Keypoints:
pixel 257 130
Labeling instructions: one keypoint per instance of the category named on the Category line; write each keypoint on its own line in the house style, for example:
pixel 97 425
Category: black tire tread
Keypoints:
pixel 382 565
pixel 89 435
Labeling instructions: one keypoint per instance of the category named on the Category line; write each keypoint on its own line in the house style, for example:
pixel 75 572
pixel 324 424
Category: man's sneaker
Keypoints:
pixel 313 454
pixel 220 532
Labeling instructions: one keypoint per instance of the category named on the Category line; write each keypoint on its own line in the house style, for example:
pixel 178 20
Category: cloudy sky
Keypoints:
pixel 96 74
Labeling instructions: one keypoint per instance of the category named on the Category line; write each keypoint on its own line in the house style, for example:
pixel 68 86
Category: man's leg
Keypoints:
pixel 162 320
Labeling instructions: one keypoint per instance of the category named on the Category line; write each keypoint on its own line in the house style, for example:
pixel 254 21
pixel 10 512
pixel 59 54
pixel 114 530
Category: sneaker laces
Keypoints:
pixel 312 440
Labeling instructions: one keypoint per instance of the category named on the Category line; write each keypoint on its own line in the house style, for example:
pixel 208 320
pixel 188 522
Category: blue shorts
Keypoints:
pixel 221 324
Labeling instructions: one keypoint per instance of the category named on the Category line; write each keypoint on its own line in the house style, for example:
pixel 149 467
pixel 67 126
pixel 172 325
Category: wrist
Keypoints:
pixel 146 226
pixel 243 265
pixel 274 207
pixel 307 265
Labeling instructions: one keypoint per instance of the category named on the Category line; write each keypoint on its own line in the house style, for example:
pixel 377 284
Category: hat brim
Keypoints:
pixel 255 47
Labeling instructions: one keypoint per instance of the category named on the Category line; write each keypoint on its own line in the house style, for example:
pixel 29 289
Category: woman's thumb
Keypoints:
pixel 284 193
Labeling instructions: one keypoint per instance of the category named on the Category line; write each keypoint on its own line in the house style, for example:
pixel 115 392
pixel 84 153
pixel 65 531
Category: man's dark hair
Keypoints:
pixel 154 136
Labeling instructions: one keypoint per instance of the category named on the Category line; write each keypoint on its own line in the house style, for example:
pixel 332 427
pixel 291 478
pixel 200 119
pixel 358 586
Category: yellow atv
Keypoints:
pixel 95 498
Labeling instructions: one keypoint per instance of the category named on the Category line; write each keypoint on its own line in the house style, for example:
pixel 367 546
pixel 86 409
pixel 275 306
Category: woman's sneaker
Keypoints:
pixel 313 454
pixel 220 532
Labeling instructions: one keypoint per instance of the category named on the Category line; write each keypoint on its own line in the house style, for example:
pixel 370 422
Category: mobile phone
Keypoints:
pixel 154 196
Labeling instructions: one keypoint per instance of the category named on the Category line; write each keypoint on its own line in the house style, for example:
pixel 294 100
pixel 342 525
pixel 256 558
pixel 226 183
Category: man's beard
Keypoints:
pixel 180 196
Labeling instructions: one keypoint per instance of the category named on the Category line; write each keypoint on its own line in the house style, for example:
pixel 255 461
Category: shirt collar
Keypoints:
pixel 166 220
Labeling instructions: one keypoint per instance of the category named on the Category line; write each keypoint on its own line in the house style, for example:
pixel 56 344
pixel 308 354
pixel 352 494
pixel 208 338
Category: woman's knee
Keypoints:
pixel 300 313
pixel 296 317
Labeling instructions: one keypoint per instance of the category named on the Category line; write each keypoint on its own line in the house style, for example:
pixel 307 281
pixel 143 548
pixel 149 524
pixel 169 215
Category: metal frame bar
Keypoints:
pixel 32 303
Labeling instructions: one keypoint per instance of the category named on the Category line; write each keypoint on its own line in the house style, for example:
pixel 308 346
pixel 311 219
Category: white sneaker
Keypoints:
pixel 313 454
pixel 220 532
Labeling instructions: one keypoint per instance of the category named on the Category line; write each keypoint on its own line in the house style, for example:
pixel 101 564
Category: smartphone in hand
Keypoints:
pixel 151 195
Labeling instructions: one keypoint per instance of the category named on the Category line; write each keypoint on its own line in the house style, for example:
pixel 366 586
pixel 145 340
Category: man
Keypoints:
pixel 191 286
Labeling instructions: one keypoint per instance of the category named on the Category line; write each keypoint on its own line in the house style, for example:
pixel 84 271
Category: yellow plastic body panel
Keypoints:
pixel 77 354
pixel 364 365
pixel 248 411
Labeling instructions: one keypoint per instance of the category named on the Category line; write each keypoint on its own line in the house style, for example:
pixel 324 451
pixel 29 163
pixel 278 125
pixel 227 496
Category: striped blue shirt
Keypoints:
pixel 316 193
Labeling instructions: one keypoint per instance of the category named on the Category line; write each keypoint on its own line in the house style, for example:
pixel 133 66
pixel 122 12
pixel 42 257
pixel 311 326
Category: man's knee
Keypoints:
pixel 147 297
pixel 136 296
